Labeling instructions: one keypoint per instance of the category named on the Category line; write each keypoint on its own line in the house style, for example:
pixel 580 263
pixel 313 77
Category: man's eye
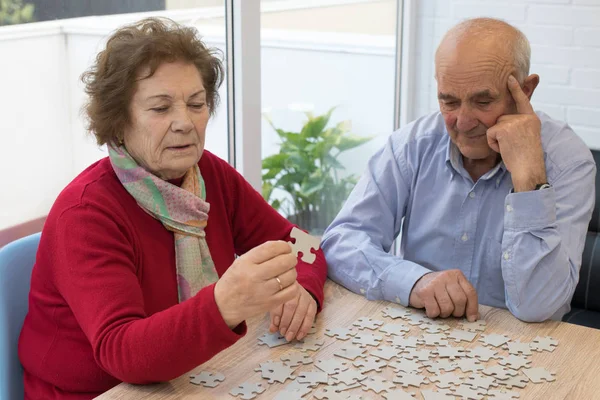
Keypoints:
pixel 484 103
pixel 197 105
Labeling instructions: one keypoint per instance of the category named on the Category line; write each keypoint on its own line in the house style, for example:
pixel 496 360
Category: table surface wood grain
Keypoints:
pixel 576 360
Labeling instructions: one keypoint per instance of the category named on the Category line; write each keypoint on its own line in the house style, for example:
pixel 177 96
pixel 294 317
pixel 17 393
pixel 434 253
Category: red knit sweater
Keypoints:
pixel 103 304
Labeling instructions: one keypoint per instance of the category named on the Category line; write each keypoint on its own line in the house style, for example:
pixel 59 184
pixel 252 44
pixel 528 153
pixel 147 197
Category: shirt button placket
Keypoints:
pixel 467 244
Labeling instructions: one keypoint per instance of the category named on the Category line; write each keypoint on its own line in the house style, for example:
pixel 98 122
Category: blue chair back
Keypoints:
pixel 16 263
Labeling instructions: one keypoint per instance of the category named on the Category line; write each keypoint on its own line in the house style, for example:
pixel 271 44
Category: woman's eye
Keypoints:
pixel 160 109
pixel 197 105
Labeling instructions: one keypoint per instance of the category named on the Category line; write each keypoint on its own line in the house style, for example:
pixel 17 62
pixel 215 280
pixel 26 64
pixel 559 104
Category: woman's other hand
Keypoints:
pixel 295 318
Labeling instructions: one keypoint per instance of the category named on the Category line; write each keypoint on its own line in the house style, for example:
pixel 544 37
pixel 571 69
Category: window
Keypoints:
pixel 328 75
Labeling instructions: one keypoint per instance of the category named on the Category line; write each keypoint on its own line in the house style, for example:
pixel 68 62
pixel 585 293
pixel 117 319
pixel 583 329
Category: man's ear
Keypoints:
pixel 529 85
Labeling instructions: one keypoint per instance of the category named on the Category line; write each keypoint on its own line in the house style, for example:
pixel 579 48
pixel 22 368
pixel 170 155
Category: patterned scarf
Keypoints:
pixel 181 210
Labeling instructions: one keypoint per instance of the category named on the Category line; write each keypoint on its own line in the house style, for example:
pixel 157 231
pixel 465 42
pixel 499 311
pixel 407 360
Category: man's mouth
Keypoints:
pixel 474 136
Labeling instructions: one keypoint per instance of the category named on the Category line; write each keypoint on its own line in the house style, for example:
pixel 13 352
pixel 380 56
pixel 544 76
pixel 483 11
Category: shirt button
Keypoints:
pixel 398 300
pixel 472 195
pixel 498 181
pixel 509 208
pixel 506 256
pixel 464 237
pixel 362 291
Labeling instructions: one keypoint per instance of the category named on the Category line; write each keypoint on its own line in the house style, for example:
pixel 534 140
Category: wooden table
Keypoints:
pixel 576 361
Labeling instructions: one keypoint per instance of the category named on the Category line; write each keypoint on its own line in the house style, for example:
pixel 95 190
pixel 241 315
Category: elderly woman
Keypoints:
pixel 133 281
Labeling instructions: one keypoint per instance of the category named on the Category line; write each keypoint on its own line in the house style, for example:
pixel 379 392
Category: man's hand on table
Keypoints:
pixel 295 318
pixel 445 293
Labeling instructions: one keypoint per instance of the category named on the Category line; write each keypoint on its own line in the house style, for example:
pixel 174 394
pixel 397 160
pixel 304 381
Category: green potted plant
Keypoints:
pixel 308 173
pixel 15 12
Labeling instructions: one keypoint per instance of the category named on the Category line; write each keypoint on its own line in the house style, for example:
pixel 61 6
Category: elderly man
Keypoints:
pixel 492 199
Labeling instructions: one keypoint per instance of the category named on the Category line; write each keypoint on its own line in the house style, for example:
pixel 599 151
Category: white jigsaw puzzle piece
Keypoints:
pixel 469 364
pixel 304 242
pixel 495 394
pixel 447 380
pixel 312 378
pixel 469 393
pixel 477 380
pixel 437 395
pixel 327 393
pixel 407 379
pixel 207 379
pixel 369 363
pixel 539 375
pixel 332 366
pixel 544 343
pixel 349 377
pixel 275 371
pixel 287 395
pixel 377 384
pixel 294 359
pixel 301 388
pixel 515 381
pixel 515 362
pixel 247 390
pixel 398 394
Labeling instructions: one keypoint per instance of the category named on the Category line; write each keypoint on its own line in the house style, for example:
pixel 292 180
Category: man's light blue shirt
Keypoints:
pixel 520 251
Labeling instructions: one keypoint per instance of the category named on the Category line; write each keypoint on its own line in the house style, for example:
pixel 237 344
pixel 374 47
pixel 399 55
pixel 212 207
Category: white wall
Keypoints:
pixel 81 47
pixel 565 45
pixel 35 150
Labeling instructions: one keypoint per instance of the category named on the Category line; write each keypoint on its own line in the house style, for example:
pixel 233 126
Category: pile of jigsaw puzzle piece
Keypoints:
pixel 431 362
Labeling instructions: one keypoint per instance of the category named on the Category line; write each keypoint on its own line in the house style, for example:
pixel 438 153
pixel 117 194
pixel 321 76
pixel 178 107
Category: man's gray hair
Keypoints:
pixel 522 55
pixel 517 42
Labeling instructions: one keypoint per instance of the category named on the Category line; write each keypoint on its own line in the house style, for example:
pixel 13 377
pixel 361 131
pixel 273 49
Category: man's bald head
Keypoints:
pixel 488 36
pixel 473 65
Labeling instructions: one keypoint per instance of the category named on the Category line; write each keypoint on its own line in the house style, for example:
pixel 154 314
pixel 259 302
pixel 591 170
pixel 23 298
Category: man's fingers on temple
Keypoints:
pixel 521 100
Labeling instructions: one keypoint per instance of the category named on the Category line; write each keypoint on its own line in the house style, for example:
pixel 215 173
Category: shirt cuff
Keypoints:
pixel 399 279
pixel 530 210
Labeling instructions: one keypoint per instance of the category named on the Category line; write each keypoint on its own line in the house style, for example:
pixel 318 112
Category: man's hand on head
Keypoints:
pixel 517 137
pixel 445 293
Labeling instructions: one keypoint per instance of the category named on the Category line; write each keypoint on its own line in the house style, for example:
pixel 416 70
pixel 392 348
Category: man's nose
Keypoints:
pixel 465 120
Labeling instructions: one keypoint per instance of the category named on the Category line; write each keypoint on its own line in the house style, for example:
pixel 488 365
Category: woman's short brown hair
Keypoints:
pixel 110 83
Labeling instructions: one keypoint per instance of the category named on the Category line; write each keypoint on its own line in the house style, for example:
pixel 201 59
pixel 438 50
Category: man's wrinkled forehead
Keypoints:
pixel 471 59
pixel 470 76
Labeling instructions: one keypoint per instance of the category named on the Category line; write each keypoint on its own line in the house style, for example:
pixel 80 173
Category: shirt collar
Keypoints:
pixel 453 157
pixel 455 165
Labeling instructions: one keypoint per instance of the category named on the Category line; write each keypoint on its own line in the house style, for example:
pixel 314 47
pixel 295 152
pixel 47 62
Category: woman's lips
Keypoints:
pixel 179 147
